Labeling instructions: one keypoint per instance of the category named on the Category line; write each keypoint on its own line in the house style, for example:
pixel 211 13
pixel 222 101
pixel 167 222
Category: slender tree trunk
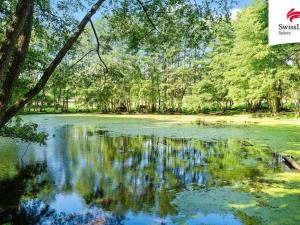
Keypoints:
pixel 42 106
pixel 67 101
pixel 54 104
pixel 36 104
pixel 276 101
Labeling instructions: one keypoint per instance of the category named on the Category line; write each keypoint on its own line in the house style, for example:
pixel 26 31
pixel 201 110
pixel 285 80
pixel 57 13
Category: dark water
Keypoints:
pixel 85 174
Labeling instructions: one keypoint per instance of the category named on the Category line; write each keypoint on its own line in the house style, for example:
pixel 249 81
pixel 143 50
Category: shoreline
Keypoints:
pixel 238 119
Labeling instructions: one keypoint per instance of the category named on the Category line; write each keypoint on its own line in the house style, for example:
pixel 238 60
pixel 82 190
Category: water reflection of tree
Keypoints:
pixel 121 174
pixel 143 173
pixel 29 182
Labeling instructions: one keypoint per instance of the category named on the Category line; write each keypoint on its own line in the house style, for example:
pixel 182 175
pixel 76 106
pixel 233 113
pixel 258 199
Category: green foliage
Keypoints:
pixel 188 66
pixel 152 56
pixel 195 59
pixel 27 132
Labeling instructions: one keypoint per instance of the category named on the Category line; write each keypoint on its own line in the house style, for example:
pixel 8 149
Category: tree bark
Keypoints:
pixel 17 62
pixel 23 9
pixel 17 106
pixel 291 162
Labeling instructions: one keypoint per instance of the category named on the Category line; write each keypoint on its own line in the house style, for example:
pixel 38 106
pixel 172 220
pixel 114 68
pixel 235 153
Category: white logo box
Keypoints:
pixel 284 21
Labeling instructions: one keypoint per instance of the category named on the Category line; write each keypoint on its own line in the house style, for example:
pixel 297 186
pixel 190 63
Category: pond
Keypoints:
pixel 97 170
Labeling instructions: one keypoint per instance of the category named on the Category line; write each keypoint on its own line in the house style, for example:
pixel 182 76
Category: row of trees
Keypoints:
pixel 42 42
pixel 40 38
pixel 185 64
pixel 160 56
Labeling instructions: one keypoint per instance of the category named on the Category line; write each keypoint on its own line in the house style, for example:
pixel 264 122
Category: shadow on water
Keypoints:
pixel 129 179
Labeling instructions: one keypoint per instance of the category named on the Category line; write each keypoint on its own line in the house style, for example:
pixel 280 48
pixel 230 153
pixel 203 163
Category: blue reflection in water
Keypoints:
pixel 68 203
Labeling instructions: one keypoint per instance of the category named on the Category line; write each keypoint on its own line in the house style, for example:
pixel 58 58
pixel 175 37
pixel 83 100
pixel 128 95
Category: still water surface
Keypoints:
pixel 129 170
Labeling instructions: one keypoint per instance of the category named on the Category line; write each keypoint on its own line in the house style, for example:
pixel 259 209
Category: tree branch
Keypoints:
pixel 14 109
pixel 98 46
pixel 148 17
pixel 124 9
pixel 79 60
pixel 97 50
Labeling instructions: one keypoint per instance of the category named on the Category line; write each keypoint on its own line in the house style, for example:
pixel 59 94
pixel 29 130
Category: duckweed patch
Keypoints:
pixel 276 202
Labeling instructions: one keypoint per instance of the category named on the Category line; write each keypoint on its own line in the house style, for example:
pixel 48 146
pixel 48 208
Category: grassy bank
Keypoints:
pixel 261 119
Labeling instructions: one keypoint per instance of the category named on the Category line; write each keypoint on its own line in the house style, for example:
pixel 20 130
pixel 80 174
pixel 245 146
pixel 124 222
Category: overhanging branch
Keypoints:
pixel 79 60
pixel 98 46
pixel 148 17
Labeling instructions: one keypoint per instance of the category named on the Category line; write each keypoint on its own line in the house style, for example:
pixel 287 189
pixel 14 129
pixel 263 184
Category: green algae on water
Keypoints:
pixel 276 202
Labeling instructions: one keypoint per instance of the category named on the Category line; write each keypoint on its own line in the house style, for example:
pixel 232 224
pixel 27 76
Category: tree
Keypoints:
pixel 12 59
pixel 256 69
pixel 17 37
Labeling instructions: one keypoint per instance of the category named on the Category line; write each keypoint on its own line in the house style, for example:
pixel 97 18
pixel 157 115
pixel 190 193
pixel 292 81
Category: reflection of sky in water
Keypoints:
pixel 210 219
pixel 214 219
pixel 73 203
pixel 144 219
pixel 68 203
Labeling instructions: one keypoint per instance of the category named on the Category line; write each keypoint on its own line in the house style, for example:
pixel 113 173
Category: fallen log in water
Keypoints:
pixel 291 162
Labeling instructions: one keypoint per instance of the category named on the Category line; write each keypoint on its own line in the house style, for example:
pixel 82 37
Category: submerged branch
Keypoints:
pixel 291 162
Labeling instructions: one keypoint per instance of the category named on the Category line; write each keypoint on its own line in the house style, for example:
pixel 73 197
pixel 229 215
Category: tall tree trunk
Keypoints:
pixel 276 97
pixel 9 78
pixel 54 101
pixel 23 9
